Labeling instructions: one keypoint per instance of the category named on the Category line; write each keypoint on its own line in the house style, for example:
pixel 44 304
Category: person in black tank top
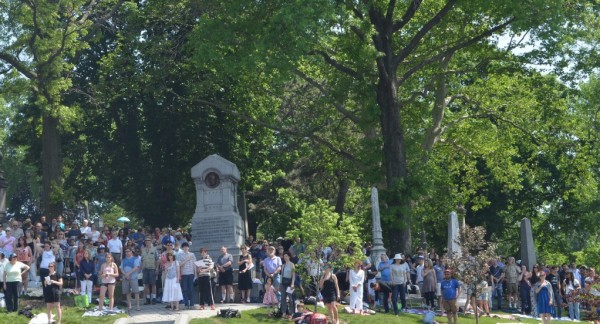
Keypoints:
pixel 330 291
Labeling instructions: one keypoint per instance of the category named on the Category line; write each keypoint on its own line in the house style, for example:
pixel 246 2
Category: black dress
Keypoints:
pixel 328 291
pixel 52 291
pixel 244 279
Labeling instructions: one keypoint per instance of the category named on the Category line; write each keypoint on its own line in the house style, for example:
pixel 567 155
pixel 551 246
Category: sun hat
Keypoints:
pixel 398 256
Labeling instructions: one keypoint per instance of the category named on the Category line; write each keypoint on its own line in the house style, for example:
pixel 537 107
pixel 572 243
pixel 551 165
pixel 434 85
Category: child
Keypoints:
pixel 302 316
pixel 270 299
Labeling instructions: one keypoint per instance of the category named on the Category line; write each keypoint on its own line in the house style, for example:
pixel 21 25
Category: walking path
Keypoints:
pixel 157 313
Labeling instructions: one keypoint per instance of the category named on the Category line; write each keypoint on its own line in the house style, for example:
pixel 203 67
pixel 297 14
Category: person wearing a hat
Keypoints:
pixel 12 277
pixel 450 292
pixel 399 274
pixel 99 260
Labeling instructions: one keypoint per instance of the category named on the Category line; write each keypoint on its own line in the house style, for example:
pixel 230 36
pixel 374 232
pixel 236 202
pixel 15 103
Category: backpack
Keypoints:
pixel 318 318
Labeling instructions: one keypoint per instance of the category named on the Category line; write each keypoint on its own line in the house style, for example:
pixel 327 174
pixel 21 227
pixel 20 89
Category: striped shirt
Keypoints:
pixel 186 261
pixel 208 262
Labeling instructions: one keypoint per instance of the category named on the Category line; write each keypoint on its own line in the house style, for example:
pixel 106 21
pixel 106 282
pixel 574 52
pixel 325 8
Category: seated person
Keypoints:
pixel 302 316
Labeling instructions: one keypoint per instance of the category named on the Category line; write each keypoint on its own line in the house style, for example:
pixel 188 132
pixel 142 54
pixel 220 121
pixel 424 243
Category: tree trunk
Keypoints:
pixel 341 197
pixel 51 166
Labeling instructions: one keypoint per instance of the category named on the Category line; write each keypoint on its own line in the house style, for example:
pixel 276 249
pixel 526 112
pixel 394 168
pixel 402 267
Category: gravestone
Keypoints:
pixel 453 235
pixel 3 186
pixel 377 250
pixel 527 247
pixel 217 221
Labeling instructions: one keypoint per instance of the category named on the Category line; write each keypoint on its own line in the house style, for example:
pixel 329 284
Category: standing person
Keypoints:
pixel 48 256
pixel 512 272
pixel 357 279
pixel 439 268
pixel 450 292
pixel 99 260
pixel 86 275
pixel 269 298
pixel 225 270
pixel 400 273
pixel 534 280
pixel 12 277
pixel 115 247
pixel 525 287
pixel 130 266
pixel 187 270
pixel 205 280
pixel 52 291
pixel 24 255
pixel 149 270
pixel 272 268
pixel 429 284
pixel 7 242
pixel 330 290
pixel 543 293
pixel 3 262
pixel 572 287
pixel 497 277
pixel 554 281
pixel 288 275
pixel 172 290
pixel 245 264
pixel 17 231
pixel 484 295
pixel 109 272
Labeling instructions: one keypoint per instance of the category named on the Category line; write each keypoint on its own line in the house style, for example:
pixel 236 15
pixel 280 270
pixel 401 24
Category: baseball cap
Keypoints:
pixel 102 246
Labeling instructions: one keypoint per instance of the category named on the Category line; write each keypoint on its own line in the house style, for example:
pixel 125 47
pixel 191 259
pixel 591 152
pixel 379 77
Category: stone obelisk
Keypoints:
pixel 453 235
pixel 527 247
pixel 377 250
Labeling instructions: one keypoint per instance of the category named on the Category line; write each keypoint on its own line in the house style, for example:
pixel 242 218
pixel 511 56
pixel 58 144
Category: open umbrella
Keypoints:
pixel 123 219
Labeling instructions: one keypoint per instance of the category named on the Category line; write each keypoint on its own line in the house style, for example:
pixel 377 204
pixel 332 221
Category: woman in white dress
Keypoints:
pixel 357 279
pixel 172 289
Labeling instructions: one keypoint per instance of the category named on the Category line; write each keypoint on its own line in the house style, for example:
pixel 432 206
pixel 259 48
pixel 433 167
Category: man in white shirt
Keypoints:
pixel 115 247
pixel 85 229
pixel 93 234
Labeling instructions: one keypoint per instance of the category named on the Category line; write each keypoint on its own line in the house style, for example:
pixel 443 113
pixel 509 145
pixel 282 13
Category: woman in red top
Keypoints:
pixel 24 255
pixel 79 254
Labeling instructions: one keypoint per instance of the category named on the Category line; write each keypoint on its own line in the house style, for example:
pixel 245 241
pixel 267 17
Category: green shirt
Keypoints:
pixel 13 271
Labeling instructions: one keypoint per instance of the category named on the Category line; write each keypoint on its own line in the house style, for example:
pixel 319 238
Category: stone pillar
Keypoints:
pixel 377 250
pixel 453 235
pixel 527 248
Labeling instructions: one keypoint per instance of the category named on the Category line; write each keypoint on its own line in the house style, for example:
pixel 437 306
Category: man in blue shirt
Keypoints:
pixel 450 292
pixel 439 268
pixel 130 266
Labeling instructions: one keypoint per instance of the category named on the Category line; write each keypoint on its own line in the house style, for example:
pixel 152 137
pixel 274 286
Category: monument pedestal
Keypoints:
pixel 217 221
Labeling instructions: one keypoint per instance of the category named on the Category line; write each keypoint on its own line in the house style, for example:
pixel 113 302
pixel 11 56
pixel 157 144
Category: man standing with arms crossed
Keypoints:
pixel 186 264
pixel 149 271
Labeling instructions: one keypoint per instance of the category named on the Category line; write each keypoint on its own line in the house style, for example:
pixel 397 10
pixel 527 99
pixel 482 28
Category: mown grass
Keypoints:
pixel 260 316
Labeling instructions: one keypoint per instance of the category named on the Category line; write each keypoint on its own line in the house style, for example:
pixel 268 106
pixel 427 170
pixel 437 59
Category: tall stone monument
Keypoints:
pixel 527 247
pixel 453 235
pixel 377 250
pixel 217 221
pixel 3 186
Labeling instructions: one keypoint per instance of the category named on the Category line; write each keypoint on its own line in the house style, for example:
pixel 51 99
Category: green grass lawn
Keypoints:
pixel 71 314
pixel 260 316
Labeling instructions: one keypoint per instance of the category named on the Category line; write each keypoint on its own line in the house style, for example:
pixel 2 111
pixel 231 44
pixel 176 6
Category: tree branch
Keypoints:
pixel 453 49
pixel 18 65
pixel 337 65
pixel 408 15
pixel 348 114
pixel 414 42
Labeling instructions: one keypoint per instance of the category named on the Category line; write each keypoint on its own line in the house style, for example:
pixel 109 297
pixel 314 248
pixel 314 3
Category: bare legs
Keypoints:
pixel 49 307
pixel 333 312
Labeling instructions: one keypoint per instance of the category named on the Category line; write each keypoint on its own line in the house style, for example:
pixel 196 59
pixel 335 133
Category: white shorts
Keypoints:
pixel 438 289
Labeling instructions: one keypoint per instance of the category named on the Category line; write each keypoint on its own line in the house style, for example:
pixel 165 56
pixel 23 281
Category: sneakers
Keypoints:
pixel 153 301
pixel 148 302
pixel 231 301
pixel 222 301
pixel 212 307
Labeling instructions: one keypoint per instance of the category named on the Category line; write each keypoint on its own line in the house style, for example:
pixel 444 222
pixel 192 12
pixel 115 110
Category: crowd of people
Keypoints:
pixel 161 261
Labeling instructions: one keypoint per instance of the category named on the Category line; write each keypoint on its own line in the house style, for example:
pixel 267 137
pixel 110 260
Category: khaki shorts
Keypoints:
pixel 131 285
pixel 450 306
pixel 511 288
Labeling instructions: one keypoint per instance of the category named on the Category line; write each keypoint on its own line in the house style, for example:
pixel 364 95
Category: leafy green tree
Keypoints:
pixel 39 41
